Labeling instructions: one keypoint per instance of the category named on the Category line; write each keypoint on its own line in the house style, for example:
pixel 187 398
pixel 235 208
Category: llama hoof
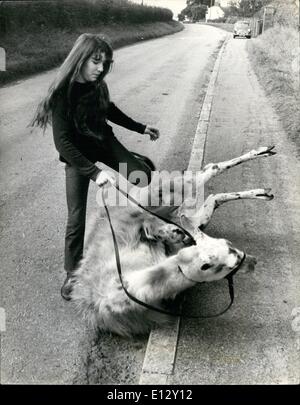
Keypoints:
pixel 266 151
pixel 266 195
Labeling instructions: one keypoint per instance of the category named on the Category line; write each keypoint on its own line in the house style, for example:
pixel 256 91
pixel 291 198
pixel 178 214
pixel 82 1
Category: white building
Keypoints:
pixel 214 13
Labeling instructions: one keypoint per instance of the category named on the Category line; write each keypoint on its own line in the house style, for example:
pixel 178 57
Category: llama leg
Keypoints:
pixel 213 169
pixel 193 184
pixel 186 187
pixel 202 217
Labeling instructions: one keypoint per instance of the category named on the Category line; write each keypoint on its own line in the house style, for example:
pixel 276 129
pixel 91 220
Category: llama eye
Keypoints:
pixel 205 266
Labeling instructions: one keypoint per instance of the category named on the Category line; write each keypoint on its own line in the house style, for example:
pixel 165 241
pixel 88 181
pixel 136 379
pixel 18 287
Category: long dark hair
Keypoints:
pixel 85 46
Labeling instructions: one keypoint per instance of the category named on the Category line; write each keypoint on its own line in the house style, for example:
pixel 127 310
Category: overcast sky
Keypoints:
pixel 175 5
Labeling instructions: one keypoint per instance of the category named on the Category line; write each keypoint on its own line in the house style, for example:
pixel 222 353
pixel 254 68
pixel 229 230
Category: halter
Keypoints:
pixel 229 276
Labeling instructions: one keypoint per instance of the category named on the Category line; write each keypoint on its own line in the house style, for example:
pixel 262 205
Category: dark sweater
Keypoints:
pixel 79 150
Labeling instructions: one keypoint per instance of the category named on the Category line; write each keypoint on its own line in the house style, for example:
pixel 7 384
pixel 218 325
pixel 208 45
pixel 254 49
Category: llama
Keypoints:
pixel 158 259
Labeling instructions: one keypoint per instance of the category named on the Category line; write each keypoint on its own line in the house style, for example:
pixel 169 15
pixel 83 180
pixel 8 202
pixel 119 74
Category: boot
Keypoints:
pixel 67 287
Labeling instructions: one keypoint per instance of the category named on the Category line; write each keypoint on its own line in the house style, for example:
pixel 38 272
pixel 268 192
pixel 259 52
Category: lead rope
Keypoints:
pixel 144 304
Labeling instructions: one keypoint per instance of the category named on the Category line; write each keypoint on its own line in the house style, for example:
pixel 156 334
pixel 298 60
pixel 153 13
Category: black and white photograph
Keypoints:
pixel 150 195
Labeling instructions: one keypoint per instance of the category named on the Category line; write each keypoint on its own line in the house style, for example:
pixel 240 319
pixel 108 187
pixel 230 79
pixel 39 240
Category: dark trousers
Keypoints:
pixel 77 191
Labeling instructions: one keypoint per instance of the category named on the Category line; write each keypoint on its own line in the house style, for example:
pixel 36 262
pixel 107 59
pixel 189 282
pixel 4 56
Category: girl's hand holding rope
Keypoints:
pixel 104 177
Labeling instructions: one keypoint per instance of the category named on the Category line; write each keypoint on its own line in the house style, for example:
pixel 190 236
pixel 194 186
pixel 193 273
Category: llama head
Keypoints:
pixel 212 259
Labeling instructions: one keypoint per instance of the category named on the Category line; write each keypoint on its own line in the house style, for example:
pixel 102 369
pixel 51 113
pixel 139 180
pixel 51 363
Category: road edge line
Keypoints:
pixel 159 360
pixel 197 154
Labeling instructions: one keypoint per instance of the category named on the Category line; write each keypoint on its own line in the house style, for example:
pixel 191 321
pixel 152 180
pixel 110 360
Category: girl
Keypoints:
pixel 78 106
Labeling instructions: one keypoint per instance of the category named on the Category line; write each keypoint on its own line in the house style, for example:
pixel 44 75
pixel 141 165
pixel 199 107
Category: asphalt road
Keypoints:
pixel 257 341
pixel 158 82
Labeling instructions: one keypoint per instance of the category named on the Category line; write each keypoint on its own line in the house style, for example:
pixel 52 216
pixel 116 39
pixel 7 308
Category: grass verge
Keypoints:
pixel 35 52
pixel 275 59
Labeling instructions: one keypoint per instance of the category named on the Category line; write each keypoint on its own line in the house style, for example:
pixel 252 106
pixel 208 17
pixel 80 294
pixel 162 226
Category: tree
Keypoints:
pixel 195 9
pixel 181 17
pixel 198 12
pixel 200 2
pixel 247 8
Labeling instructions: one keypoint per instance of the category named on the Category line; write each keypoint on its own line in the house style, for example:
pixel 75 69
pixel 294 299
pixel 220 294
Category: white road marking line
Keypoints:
pixel 197 155
pixel 2 320
pixel 159 360
pixel 2 329
pixel 160 354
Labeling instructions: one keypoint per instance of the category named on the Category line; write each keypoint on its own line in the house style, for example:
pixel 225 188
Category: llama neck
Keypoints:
pixel 158 282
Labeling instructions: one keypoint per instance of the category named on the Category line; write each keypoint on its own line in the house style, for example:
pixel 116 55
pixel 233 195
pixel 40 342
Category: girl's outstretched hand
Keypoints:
pixel 153 132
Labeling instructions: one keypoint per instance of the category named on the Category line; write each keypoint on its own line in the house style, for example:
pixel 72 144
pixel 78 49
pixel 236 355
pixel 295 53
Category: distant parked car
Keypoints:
pixel 242 29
